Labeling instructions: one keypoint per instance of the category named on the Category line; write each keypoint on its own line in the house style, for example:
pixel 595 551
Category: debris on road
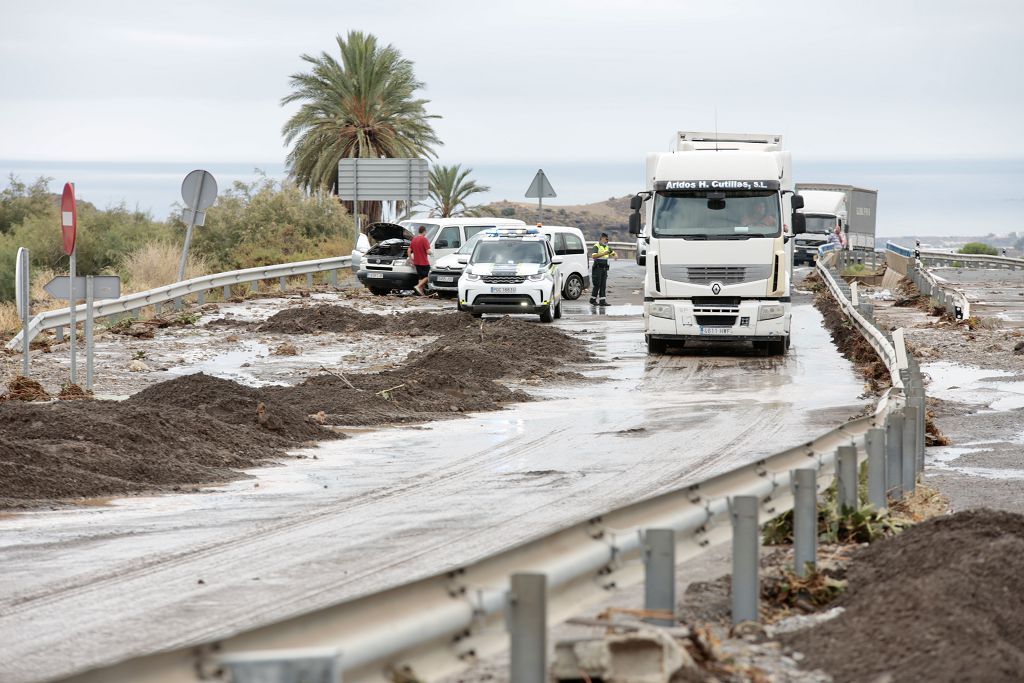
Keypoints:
pixel 25 389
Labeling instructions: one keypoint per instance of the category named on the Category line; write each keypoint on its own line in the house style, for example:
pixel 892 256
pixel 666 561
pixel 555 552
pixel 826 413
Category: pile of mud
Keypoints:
pixel 344 319
pixel 197 429
pixel 940 602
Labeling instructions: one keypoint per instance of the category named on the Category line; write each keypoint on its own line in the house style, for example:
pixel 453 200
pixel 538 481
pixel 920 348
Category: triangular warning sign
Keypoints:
pixel 540 187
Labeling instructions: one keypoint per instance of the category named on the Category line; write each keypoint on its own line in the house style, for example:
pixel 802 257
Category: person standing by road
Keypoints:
pixel 599 277
pixel 419 248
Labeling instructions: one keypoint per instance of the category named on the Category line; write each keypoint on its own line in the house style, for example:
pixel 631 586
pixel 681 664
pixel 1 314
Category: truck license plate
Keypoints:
pixel 444 278
pixel 380 275
pixel 716 330
pixel 503 290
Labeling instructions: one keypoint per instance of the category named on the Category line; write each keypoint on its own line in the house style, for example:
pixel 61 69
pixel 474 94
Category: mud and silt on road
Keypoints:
pixel 939 602
pixel 199 429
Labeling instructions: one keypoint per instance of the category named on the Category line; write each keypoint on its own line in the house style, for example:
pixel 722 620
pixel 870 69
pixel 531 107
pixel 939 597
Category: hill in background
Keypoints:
pixel 610 216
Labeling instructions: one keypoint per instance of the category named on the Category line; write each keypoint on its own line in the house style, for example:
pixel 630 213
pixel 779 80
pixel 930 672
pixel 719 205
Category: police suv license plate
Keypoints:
pixel 445 278
pixel 715 330
pixel 380 275
pixel 503 290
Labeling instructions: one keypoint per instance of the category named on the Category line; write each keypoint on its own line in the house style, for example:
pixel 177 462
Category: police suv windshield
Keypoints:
pixel 739 215
pixel 510 252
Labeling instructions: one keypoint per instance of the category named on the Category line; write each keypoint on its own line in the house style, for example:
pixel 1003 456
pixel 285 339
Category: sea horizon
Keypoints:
pixel 916 197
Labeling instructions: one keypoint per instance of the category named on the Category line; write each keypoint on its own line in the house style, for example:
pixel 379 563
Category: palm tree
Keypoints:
pixel 450 187
pixel 363 106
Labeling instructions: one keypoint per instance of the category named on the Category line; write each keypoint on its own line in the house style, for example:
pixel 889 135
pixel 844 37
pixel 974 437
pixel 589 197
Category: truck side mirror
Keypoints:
pixel 799 223
pixel 636 202
pixel 634 223
pixel 798 202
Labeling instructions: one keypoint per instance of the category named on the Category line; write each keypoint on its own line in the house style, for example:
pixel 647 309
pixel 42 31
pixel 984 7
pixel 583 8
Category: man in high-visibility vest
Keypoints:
pixel 599 277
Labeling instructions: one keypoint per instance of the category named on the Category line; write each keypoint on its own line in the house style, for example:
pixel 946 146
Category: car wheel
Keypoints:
pixel 558 310
pixel 573 287
pixel 380 291
pixel 548 314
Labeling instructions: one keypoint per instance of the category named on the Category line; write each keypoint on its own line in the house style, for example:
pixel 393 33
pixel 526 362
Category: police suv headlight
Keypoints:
pixel 662 311
pixel 771 311
pixel 470 276
pixel 537 277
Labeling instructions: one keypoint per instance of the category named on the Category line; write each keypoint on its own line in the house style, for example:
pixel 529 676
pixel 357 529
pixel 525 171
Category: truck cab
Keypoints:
pixel 823 213
pixel 717 216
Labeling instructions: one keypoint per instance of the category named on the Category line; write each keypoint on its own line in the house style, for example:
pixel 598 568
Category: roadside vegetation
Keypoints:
pixel 979 248
pixel 450 190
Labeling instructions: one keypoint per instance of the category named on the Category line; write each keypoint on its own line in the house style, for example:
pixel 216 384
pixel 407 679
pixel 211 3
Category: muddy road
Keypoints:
pixel 97 584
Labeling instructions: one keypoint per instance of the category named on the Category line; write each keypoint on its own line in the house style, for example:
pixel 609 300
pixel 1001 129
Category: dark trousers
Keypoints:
pixel 600 280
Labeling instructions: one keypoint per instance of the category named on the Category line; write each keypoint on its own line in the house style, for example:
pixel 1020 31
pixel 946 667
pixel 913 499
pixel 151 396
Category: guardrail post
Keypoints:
pixel 58 334
pixel 201 297
pixel 846 473
pixel 309 280
pixel 894 456
pixel 227 292
pixel 283 283
pixel 660 573
pixel 805 519
pixel 332 277
pixel 177 303
pixel 745 551
pixel 254 286
pixel 910 428
pixel 527 626
pixel 875 441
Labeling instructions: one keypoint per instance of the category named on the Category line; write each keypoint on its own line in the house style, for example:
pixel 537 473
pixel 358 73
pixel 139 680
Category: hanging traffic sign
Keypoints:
pixel 540 187
pixel 68 218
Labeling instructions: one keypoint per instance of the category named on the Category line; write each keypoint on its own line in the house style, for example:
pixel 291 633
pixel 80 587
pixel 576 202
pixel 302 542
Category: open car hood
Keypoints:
pixel 378 232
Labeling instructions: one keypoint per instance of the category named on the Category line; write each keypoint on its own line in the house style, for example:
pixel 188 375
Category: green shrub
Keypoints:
pixel 979 248
pixel 508 211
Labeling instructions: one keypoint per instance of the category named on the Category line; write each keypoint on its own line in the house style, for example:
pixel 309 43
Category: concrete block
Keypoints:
pixel 646 656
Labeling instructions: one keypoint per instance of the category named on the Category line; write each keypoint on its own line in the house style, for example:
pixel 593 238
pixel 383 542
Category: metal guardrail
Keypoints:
pixel 954 301
pixel 198 286
pixel 438 625
pixel 943 258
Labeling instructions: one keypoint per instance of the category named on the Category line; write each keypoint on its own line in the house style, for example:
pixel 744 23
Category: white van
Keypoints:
pixel 385 266
pixel 567 242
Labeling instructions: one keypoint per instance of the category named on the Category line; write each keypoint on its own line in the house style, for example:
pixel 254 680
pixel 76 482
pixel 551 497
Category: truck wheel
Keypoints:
pixel 380 291
pixel 573 287
pixel 656 346
pixel 548 314
pixel 776 347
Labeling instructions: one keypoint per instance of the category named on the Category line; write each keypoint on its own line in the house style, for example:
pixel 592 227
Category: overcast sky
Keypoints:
pixel 524 82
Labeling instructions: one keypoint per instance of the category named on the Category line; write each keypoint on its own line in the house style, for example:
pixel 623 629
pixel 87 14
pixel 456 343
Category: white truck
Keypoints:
pixel 718 216
pixel 827 205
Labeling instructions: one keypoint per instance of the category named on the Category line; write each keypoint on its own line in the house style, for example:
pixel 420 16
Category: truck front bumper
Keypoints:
pixel 717 323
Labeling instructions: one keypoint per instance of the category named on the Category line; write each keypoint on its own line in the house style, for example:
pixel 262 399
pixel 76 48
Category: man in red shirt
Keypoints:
pixel 419 248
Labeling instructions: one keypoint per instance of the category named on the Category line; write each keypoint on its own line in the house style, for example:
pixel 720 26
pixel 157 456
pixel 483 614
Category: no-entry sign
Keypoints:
pixel 68 218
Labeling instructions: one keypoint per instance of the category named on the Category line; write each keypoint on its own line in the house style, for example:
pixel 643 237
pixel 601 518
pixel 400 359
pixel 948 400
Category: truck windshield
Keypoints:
pixel 740 215
pixel 510 252
pixel 822 224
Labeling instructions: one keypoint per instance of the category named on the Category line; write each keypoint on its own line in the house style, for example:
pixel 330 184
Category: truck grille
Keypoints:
pixel 705 275
pixel 715 320
pixel 504 279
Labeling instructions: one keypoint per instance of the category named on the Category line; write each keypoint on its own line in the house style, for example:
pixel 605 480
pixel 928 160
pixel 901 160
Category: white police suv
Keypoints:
pixel 512 270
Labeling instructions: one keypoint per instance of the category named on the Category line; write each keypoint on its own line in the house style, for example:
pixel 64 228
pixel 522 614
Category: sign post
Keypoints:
pixel 540 188
pixel 22 295
pixel 198 191
pixel 69 231
pixel 89 288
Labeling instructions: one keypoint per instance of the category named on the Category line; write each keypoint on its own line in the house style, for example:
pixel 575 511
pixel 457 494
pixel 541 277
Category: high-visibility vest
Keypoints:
pixel 603 251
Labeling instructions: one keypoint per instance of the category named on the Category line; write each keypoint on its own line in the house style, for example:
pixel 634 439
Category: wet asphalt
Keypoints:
pixel 92 585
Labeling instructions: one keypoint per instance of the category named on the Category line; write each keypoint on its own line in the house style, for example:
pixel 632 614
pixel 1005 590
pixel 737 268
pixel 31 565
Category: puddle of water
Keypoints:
pixel 254 365
pixel 971 385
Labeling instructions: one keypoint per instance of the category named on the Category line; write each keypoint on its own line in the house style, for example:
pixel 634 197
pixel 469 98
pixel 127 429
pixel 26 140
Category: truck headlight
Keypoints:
pixel 538 277
pixel 770 311
pixel 662 311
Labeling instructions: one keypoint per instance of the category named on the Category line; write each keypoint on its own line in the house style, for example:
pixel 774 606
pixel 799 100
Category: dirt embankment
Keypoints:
pixel 939 602
pixel 199 429
pixel 847 337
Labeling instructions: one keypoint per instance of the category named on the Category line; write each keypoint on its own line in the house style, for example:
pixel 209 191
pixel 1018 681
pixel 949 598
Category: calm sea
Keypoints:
pixel 953 197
